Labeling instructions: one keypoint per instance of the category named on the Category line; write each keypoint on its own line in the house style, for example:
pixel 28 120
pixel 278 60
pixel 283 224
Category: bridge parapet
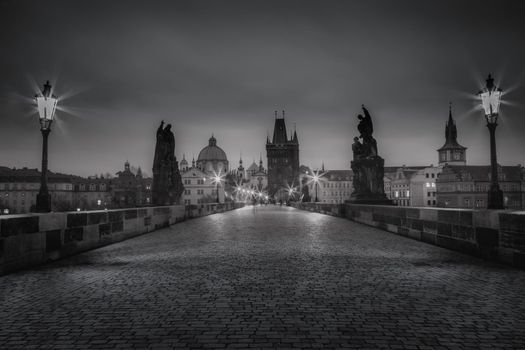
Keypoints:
pixel 32 239
pixel 490 234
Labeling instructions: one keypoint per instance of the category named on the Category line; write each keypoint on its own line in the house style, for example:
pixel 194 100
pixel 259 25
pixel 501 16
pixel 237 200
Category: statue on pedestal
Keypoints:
pixel 367 166
pixel 167 182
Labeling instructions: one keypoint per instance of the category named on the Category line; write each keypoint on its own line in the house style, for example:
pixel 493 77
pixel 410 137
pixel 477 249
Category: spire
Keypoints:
pixel 193 162
pixel 283 113
pixel 451 132
pixel 322 167
pixel 126 165
pixel 295 139
pixel 275 114
pixel 139 172
pixel 260 162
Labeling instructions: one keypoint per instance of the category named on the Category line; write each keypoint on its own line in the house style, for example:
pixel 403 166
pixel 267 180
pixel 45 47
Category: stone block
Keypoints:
pixel 412 213
pixel 428 214
pixel 131 225
pixel 104 229
pixel 161 211
pixel 53 240
pixel 512 222
pixel 115 215
pixel 51 221
pixel 117 226
pixel 465 218
pixel 19 225
pixel 444 229
pixel 429 237
pixel 450 216
pixel 76 219
pixel 75 234
pixel 98 217
pixel 130 214
pixel 486 218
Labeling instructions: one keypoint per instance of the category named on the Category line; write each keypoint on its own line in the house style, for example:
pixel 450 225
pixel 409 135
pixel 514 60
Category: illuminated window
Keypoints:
pixel 428 184
pixel 433 184
pixel 396 194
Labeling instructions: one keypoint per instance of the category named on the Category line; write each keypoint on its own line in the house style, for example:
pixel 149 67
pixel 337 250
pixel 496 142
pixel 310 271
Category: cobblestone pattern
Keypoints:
pixel 266 278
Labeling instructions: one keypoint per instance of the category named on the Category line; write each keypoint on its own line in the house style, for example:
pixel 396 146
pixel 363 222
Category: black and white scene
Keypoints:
pixel 262 174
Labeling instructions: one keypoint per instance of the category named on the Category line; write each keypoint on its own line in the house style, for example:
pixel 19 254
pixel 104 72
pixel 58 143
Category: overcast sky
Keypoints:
pixel 223 67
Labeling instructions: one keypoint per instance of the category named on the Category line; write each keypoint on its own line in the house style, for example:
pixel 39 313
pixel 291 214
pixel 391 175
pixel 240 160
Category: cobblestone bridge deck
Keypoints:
pixel 273 277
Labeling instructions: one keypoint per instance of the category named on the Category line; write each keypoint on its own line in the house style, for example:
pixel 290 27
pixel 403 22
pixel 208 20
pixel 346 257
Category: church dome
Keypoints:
pixel 212 152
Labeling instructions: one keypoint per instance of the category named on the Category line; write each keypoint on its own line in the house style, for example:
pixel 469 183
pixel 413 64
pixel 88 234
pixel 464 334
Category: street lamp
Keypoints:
pixel 217 180
pixel 47 104
pixel 316 181
pixel 490 99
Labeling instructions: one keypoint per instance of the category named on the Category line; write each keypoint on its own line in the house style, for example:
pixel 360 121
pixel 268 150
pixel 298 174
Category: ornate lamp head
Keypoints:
pixel 490 100
pixel 47 104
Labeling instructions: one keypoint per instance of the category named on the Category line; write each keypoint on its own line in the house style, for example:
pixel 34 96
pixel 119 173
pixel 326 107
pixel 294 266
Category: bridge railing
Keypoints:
pixel 490 234
pixel 31 239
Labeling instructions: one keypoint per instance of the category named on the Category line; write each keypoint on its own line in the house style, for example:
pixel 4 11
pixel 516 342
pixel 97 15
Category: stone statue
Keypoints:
pixel 305 191
pixel 367 166
pixel 167 182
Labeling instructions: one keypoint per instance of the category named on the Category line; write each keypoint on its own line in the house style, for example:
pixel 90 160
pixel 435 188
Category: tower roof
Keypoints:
pixel 279 131
pixel 212 152
pixel 451 134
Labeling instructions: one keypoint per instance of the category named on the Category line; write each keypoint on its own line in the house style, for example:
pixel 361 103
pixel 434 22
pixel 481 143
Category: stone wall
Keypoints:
pixel 491 234
pixel 31 239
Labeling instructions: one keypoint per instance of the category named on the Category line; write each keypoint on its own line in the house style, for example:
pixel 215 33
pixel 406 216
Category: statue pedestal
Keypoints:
pixel 368 181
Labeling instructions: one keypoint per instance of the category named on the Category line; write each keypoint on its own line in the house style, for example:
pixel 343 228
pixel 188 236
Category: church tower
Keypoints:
pixel 452 152
pixel 283 158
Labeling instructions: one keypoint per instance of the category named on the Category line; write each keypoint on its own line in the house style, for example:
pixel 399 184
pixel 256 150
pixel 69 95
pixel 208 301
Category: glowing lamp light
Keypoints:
pixel 47 105
pixel 490 100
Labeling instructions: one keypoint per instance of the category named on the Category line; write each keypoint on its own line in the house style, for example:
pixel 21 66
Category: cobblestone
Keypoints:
pixel 273 277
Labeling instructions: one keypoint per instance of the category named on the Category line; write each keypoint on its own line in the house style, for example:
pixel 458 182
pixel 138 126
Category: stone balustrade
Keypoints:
pixel 31 239
pixel 490 234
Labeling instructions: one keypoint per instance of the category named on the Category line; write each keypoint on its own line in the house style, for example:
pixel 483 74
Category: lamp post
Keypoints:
pixel 316 181
pixel 490 99
pixel 217 184
pixel 47 104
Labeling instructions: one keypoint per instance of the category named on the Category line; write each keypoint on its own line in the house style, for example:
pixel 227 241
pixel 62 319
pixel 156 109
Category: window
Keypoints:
pixel 433 202
pixel 396 194
pixel 187 192
pixel 408 193
pixel 428 184
pixel 433 175
pixel 426 175
pixel 92 187
pixel 433 184
pixel 428 202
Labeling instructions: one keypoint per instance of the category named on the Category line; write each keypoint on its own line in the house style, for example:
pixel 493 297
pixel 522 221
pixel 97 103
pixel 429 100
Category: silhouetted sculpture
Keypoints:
pixel 367 166
pixel 305 191
pixel 167 182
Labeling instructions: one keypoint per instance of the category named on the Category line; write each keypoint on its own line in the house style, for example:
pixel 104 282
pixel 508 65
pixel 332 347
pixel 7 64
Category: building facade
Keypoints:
pixel 468 186
pixel 199 187
pixel 335 186
pixel 19 187
pixel 283 160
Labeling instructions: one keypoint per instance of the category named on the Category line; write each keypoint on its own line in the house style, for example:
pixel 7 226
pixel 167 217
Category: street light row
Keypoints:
pixel 490 97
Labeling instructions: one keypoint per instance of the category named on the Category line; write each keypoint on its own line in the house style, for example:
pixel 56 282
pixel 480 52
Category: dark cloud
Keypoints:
pixel 223 67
